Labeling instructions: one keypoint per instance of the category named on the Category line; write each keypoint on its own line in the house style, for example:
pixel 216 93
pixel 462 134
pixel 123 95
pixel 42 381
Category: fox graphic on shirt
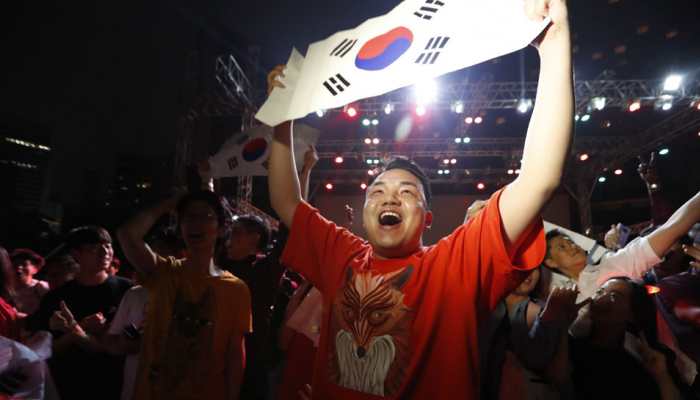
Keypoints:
pixel 370 328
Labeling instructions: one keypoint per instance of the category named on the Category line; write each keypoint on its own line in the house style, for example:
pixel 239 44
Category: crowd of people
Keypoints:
pixel 220 306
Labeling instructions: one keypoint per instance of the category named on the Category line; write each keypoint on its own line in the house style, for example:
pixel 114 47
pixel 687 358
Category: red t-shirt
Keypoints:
pixel 406 328
pixel 8 321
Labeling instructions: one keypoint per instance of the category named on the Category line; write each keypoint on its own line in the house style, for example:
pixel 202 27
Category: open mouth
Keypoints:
pixel 389 218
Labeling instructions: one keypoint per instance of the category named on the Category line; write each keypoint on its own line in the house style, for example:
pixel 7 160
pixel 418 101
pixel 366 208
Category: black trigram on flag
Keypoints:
pixel 429 9
pixel 432 50
pixel 343 48
pixel 336 84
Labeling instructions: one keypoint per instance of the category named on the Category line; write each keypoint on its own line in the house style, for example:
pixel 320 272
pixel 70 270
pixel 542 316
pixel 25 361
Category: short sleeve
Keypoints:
pixel 165 266
pixel 319 249
pixel 121 318
pixel 485 257
pixel 244 315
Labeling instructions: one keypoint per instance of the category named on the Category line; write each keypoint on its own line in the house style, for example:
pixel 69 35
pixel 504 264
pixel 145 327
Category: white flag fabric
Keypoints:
pixel 246 153
pixel 417 40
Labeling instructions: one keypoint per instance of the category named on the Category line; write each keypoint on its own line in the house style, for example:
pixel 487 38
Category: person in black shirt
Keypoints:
pixel 247 257
pixel 621 358
pixel 78 314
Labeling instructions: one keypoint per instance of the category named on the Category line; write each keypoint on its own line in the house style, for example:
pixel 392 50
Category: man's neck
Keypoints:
pixel 199 262
pixel 92 279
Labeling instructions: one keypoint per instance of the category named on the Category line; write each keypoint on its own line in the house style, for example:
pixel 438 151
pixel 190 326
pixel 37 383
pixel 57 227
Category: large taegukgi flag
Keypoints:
pixel 418 39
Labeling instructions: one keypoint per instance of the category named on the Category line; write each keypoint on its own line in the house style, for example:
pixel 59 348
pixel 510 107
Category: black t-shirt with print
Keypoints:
pixel 79 373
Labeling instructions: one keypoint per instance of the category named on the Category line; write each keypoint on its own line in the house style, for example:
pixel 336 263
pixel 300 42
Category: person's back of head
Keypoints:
pixel 254 224
pixel 59 269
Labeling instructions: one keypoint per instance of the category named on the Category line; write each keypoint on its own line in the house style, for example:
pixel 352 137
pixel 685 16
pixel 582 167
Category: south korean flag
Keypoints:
pixel 396 50
pixel 246 153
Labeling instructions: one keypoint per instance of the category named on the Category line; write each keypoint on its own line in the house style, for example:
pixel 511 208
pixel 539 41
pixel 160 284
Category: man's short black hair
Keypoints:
pixel 410 166
pixel 89 234
pixel 21 255
pixel 213 200
pixel 551 235
pixel 254 224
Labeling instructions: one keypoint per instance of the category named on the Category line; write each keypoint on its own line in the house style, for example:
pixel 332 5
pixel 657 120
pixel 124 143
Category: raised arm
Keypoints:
pixel 676 226
pixel 131 235
pixel 283 183
pixel 551 125
pixel 310 159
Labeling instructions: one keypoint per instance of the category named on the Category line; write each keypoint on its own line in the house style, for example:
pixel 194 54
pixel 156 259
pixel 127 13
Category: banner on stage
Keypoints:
pixel 417 40
pixel 246 153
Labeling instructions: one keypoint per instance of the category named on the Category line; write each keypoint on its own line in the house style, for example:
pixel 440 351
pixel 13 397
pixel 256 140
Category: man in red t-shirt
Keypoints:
pixel 400 320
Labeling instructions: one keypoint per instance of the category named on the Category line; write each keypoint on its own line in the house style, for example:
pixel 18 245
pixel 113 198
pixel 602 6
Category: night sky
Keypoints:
pixel 111 78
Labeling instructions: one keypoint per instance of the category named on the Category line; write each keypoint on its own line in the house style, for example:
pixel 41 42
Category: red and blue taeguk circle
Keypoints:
pixel 381 51
pixel 254 149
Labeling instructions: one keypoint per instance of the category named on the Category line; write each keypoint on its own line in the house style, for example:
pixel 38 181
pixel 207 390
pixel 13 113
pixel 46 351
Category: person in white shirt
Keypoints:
pixel 568 260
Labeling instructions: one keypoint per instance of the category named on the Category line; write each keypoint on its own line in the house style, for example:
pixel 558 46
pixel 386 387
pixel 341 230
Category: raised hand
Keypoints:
pixel 94 324
pixel 561 304
pixel 556 10
pixel 612 237
pixel 272 78
pixel 310 158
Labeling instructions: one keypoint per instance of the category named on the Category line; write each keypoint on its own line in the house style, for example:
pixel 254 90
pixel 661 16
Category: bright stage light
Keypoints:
pixel 524 105
pixel 365 121
pixel 667 106
pixel 370 172
pixel 420 110
pixel 329 186
pixel 368 141
pixel 375 141
pixel 425 92
pixel 446 161
pixel 577 117
pixel 388 108
pixel 585 118
pixel 517 171
pixel 453 161
pixel 583 157
pixel 447 172
pixel 440 172
pixel 618 172
pixel 478 120
pixel 363 186
pixel 458 107
pixel 339 160
pixel 351 112
pixel 602 179
pixel 375 122
pixel 663 152
pixel 319 113
pixel 458 140
pixel 673 83
pixel 598 103
pixel 510 172
pixel 468 120
pixel 635 106
pixel 480 186
pixel 466 139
